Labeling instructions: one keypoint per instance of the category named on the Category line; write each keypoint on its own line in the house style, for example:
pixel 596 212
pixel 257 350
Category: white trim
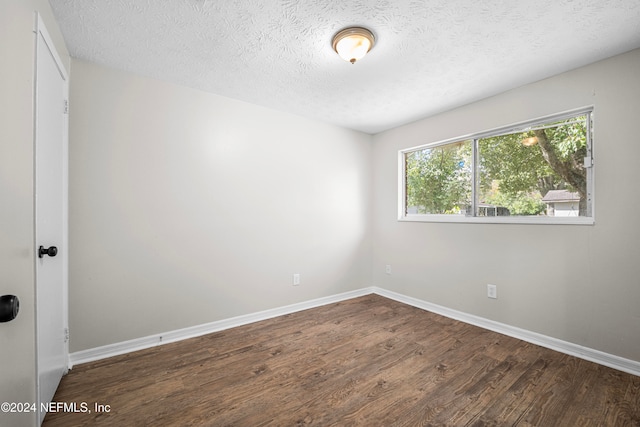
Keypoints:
pixel 533 220
pixel 42 29
pixel 116 349
pixel 596 356
pixel 402 185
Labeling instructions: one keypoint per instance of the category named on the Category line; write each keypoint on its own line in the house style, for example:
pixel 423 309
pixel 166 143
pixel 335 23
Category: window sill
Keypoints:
pixel 498 220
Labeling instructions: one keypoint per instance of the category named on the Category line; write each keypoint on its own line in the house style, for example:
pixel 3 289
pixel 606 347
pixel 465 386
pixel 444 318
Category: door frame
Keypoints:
pixel 41 33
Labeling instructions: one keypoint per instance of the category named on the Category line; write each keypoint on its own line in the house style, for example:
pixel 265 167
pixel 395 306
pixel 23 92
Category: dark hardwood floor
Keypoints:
pixel 369 361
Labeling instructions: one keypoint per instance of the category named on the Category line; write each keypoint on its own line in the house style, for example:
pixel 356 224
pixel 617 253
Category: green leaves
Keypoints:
pixel 439 179
pixel 517 168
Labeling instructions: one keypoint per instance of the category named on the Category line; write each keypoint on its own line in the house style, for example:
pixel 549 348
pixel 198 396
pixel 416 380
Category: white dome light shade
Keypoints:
pixel 352 44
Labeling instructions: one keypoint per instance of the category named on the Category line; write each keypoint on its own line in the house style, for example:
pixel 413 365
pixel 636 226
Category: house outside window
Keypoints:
pixel 562 203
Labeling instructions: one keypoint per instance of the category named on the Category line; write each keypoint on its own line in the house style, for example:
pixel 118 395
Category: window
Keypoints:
pixel 536 172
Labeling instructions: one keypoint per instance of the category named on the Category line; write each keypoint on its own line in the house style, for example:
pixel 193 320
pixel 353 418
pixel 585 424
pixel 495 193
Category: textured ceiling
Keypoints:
pixel 430 55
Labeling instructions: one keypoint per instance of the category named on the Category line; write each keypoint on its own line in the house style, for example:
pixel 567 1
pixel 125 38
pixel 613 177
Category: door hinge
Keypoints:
pixel 66 334
pixel 66 106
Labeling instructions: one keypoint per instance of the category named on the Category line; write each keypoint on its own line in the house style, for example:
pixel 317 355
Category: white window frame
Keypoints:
pixel 519 127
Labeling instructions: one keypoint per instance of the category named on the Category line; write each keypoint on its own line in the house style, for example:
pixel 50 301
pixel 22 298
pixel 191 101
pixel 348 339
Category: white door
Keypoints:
pixel 51 212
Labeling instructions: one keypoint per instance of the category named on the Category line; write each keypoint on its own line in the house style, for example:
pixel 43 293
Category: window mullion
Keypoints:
pixel 474 179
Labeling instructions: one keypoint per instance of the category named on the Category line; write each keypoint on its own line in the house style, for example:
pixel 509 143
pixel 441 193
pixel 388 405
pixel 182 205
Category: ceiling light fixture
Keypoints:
pixel 353 43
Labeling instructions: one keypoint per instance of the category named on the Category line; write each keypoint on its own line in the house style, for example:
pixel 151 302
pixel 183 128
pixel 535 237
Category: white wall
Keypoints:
pixel 188 207
pixel 17 338
pixel 587 289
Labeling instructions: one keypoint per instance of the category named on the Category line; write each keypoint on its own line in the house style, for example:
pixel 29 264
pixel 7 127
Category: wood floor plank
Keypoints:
pixel 368 361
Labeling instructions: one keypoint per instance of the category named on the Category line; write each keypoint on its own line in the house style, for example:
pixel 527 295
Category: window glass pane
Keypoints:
pixel 438 180
pixel 537 172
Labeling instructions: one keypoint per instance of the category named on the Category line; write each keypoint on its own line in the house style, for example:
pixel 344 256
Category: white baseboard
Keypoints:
pixel 116 349
pixel 596 356
pixel 615 362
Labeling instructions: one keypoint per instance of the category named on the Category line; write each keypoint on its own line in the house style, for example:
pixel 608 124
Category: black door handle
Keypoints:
pixel 51 251
pixel 9 307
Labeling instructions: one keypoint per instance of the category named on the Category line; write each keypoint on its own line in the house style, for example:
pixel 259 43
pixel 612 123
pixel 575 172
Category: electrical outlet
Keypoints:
pixel 492 291
pixel 387 269
pixel 296 279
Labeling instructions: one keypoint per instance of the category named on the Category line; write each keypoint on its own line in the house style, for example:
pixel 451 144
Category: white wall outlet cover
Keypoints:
pixel 492 291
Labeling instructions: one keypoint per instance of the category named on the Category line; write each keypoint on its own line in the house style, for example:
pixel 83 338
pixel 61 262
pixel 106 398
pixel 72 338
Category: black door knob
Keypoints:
pixel 51 251
pixel 9 307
